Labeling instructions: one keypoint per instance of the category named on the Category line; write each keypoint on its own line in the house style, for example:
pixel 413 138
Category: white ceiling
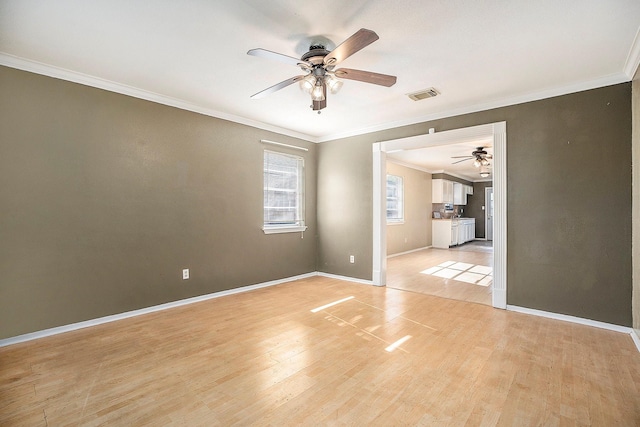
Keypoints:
pixel 439 159
pixel 192 54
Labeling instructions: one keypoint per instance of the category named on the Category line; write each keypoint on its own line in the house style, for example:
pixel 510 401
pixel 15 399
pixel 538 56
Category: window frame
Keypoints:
pixel 399 184
pixel 299 224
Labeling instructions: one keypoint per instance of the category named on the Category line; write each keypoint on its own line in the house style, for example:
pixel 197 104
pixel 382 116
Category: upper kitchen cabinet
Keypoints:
pixel 459 194
pixel 442 191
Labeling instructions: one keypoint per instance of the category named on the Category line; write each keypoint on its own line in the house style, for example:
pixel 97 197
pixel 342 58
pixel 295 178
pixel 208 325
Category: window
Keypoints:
pixel 283 193
pixel 395 199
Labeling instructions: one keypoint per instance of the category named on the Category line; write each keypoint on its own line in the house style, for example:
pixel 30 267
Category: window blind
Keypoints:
pixel 283 190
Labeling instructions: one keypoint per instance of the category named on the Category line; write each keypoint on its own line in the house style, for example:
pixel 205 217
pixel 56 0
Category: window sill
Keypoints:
pixel 284 229
pixel 395 222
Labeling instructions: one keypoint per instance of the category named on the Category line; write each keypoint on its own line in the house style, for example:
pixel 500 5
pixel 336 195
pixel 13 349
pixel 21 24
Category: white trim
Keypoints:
pixel 407 165
pixel 345 278
pixel 87 80
pixel 571 319
pixel 97 82
pixel 408 252
pixel 107 319
pixel 608 80
pixel 499 237
pixel 379 275
pixel 291 229
pixel 498 133
pixel 635 338
pixel 633 58
pixel 266 141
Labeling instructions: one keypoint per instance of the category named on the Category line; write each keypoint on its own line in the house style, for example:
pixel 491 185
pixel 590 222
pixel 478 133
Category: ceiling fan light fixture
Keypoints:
pixel 484 162
pixel 477 163
pixel 333 84
pixel 308 83
pixel 317 94
pixel 485 174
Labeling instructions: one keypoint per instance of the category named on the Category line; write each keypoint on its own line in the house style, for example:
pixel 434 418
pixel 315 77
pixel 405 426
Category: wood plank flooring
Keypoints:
pixel 405 272
pixel 264 358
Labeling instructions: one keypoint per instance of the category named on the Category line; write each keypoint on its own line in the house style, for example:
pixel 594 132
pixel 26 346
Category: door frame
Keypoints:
pixel 486 218
pixel 498 132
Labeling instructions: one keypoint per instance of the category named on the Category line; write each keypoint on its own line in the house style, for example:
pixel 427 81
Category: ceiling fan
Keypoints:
pixel 479 155
pixel 318 65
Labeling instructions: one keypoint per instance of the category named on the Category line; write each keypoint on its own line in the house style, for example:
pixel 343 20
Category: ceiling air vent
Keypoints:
pixel 423 94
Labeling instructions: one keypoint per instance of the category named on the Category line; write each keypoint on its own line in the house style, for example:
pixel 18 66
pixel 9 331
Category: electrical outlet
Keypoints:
pixel 352 259
pixel 185 273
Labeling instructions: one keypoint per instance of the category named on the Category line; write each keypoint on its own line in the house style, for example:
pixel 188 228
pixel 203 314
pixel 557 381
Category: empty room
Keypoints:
pixel 345 213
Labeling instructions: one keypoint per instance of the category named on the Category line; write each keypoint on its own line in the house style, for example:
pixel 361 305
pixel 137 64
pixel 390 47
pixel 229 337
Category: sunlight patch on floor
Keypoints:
pixel 462 272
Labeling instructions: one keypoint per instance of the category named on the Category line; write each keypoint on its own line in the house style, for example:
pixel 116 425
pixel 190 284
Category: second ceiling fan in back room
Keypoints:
pixel 479 155
pixel 480 160
pixel 319 64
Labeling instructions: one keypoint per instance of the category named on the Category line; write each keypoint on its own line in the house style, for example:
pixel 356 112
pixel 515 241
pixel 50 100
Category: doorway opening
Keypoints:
pixel 497 133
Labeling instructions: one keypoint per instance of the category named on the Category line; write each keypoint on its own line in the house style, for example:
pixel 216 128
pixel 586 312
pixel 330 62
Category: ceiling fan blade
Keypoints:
pixel 361 39
pixel 263 53
pixel 277 87
pixel 366 76
pixel 459 157
pixel 460 161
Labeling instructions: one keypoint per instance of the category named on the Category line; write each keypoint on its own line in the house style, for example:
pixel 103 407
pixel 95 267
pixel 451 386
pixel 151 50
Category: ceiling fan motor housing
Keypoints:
pixel 315 55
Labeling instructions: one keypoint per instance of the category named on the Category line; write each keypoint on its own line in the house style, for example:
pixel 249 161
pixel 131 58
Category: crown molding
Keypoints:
pixel 408 165
pixel 633 58
pixel 16 62
pixel 608 80
pixel 36 67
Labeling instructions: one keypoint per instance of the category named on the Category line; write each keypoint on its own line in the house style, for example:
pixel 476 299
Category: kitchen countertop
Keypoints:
pixel 452 219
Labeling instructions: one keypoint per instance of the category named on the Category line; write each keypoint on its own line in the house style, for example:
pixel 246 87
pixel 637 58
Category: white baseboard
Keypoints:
pixel 93 322
pixel 635 338
pixel 345 278
pixel 498 298
pixel 573 319
pixel 579 320
pixel 408 252
pixel 126 315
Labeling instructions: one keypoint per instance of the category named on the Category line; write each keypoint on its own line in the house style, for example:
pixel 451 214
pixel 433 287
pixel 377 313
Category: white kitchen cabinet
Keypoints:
pixel 455 233
pixel 442 233
pixel 469 190
pixel 448 232
pixel 466 230
pixel 442 191
pixel 459 194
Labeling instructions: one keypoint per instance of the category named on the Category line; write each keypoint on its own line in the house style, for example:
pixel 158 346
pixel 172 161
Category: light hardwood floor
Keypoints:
pixel 264 358
pixel 407 272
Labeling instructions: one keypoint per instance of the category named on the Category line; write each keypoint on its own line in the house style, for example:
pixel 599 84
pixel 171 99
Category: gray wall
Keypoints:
pixel 451 178
pixel 105 198
pixel 345 215
pixel 474 207
pixel 568 202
